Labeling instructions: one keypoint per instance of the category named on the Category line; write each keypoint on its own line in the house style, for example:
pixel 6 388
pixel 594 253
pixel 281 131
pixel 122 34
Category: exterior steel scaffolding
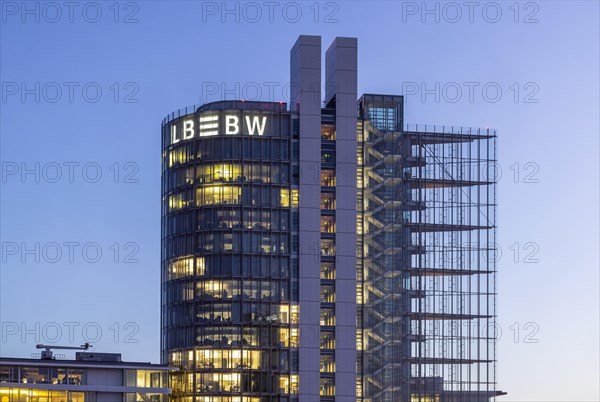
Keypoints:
pixel 426 267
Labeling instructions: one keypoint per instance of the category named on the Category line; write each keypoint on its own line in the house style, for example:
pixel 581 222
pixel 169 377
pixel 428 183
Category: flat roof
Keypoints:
pixel 18 361
pixel 240 104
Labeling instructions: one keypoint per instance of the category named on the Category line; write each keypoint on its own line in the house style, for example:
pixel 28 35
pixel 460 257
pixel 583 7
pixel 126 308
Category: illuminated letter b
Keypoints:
pixel 232 125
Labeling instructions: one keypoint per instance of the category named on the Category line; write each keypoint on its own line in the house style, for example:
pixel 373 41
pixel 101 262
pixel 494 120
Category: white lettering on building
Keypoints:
pixel 255 124
pixel 188 129
pixel 232 125
pixel 174 139
pixel 209 126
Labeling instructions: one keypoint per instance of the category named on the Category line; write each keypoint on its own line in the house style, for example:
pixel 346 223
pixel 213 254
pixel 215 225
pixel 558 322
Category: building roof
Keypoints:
pixel 18 361
pixel 244 105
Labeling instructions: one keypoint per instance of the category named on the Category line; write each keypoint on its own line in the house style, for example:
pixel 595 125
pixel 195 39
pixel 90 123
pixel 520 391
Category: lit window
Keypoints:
pixel 328 132
pixel 175 202
pixel 174 359
pixel 327 224
pixel 213 195
pixel 295 314
pixel 289 385
pixel 327 386
pixel 327 294
pixel 327 339
pixel 229 359
pixel 200 266
pixel 327 363
pixel 285 197
pixel 178 156
pixel 218 289
pixel 327 201
pixel 181 267
pixel 327 247
pixel 327 270
pixel 284 313
pixel 289 337
pixel 327 178
pixel 227 172
pixel 327 317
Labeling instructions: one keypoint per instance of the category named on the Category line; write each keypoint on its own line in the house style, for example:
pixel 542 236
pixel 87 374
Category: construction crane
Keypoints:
pixel 47 354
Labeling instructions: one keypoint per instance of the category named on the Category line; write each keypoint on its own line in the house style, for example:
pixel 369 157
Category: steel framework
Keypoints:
pixel 427 248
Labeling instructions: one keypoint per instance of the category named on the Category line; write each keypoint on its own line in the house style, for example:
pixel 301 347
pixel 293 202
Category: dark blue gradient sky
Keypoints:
pixel 543 57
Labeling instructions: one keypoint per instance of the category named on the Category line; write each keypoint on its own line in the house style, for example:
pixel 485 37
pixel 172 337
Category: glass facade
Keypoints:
pixel 40 395
pixel 31 380
pixel 327 361
pixel 229 253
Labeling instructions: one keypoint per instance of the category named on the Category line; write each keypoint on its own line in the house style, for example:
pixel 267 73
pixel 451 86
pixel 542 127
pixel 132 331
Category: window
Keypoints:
pixel 328 157
pixel 295 314
pixel 251 290
pixel 327 224
pixel 327 339
pixel 183 267
pixel 219 219
pixel 288 337
pixel 218 289
pixel 327 201
pixel 218 382
pixel 327 317
pixel 175 202
pixel 288 385
pixel 146 378
pixel 327 363
pixel 215 312
pixel 327 248
pixel 328 131
pixel 179 155
pixel 327 178
pixel 220 172
pixel 327 387
pixel 229 359
pixel 257 219
pixel 327 294
pixel 212 195
pixel 327 270
pixel 260 173
pixel 285 197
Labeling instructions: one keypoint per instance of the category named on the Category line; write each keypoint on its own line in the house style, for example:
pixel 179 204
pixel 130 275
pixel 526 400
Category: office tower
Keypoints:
pixel 270 215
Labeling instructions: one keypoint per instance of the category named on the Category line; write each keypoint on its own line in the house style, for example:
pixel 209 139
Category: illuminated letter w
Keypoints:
pixel 254 125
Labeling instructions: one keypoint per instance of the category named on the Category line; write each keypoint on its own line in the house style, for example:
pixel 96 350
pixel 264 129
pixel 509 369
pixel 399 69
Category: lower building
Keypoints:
pixel 91 377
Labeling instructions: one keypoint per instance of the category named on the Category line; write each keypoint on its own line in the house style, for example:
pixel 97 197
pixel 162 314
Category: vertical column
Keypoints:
pixel 341 87
pixel 305 81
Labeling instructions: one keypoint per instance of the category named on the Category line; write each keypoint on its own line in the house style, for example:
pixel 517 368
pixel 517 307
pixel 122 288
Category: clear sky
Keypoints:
pixel 84 90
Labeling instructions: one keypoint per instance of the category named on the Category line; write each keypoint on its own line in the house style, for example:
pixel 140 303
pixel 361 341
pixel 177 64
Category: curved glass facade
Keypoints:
pixel 229 253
